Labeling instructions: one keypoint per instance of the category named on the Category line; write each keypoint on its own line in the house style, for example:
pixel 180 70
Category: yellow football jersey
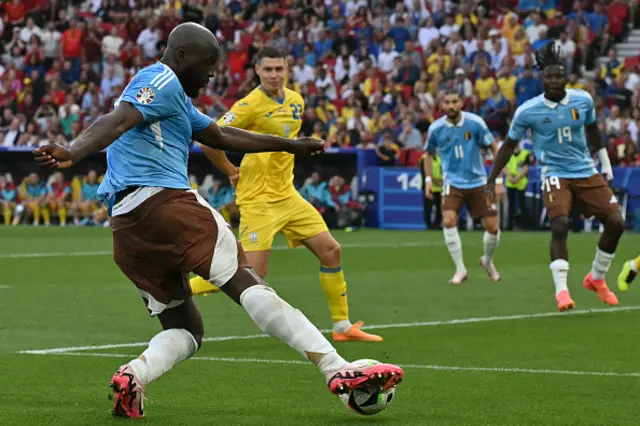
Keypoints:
pixel 267 176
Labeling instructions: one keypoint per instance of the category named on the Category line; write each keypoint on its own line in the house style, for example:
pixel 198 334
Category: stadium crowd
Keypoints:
pixel 371 72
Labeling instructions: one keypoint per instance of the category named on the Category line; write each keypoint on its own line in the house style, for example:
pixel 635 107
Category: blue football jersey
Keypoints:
pixel 155 152
pixel 558 135
pixel 461 149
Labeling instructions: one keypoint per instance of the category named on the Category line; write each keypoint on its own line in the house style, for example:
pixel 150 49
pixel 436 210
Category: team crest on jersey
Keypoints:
pixel 467 135
pixel 228 118
pixel 145 96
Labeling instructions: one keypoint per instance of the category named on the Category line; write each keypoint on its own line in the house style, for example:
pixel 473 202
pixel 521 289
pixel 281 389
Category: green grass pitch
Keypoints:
pixel 477 354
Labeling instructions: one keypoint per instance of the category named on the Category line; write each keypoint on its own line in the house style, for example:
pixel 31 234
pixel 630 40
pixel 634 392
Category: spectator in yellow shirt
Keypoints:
pixel 464 12
pixel 507 83
pixel 574 83
pixel 484 84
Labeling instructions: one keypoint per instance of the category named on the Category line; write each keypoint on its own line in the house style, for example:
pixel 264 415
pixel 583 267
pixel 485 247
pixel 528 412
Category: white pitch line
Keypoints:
pixel 405 366
pixel 371 327
pixel 275 248
pixel 4 287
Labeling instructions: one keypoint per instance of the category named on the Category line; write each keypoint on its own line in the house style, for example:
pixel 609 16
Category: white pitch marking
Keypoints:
pixel 277 248
pixel 406 366
pixel 371 327
pixel 4 287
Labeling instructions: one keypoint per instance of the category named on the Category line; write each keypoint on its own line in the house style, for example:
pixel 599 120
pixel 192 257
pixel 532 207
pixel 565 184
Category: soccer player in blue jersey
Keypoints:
pixel 565 136
pixel 461 138
pixel 163 229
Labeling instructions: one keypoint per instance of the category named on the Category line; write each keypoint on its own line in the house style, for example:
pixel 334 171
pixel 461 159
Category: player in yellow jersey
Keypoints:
pixel 266 197
pixel 628 274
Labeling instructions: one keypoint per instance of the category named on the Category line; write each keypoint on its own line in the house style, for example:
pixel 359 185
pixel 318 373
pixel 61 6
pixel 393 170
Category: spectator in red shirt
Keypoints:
pixel 16 12
pixel 72 43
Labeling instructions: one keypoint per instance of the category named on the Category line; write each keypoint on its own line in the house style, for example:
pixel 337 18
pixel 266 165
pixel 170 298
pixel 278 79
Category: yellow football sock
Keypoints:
pixel 636 263
pixel 62 214
pixel 46 215
pixel 6 212
pixel 225 214
pixel 201 286
pixel 35 209
pixel 335 287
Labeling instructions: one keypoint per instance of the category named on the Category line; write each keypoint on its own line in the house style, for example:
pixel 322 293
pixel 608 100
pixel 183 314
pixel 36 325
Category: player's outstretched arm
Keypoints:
pixel 237 140
pixel 596 145
pixel 102 133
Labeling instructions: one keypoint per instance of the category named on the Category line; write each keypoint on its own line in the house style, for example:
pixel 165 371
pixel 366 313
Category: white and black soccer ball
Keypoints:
pixel 366 402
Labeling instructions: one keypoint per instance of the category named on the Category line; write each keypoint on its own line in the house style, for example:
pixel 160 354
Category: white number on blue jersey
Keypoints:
pixel 564 133
pixel 459 151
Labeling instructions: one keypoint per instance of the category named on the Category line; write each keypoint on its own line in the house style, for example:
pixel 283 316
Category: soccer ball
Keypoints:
pixel 367 402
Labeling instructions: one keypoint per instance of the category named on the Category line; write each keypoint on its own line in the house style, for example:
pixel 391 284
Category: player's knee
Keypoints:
pixel 491 225
pixel 449 221
pixel 560 227
pixel 332 254
pixel 614 223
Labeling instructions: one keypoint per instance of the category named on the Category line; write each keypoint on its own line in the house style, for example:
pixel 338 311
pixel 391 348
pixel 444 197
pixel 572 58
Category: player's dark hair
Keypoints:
pixel 270 51
pixel 547 55
pixel 451 91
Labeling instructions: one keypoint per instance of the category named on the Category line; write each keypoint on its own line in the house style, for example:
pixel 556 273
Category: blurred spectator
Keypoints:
pixel 387 152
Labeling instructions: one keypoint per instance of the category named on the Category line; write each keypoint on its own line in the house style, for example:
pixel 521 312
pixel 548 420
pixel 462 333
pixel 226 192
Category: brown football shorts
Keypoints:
pixel 474 198
pixel 169 235
pixel 593 195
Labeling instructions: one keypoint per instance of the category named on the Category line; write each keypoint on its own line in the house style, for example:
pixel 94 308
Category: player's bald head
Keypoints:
pixel 192 53
pixel 193 38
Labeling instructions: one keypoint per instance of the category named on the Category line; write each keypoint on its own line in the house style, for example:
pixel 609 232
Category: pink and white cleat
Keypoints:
pixel 600 287
pixel 459 277
pixel 376 377
pixel 493 273
pixel 128 394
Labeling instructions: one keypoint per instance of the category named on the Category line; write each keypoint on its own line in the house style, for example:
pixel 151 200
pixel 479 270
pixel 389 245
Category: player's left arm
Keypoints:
pixel 237 140
pixel 595 142
pixel 486 140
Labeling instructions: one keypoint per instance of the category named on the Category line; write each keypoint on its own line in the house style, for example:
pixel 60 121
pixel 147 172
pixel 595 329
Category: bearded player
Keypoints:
pixel 565 135
pixel 266 197
pixel 461 138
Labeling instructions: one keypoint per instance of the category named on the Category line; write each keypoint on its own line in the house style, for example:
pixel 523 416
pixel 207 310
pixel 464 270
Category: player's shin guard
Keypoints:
pixel 601 264
pixel 166 349
pixel 278 319
pixel 454 244
pixel 335 288
pixel 490 242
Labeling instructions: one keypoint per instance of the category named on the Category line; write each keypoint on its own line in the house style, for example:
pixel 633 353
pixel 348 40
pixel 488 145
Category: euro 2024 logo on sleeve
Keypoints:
pixel 145 96
pixel 228 118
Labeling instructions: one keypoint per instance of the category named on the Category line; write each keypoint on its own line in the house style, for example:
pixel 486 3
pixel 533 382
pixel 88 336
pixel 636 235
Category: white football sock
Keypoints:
pixel 452 239
pixel 490 244
pixel 278 319
pixel 342 326
pixel 560 270
pixel 601 264
pixel 166 349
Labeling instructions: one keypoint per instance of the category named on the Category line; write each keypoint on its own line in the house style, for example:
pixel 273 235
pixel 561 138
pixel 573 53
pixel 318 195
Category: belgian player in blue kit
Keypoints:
pixel 163 229
pixel 565 136
pixel 461 138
